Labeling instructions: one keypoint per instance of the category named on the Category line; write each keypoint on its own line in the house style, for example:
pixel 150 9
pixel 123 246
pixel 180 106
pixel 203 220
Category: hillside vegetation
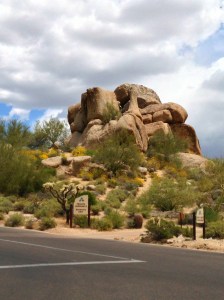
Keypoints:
pixel 113 177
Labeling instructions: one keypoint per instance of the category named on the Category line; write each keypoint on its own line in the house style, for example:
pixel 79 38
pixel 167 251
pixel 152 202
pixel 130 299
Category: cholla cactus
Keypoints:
pixel 64 194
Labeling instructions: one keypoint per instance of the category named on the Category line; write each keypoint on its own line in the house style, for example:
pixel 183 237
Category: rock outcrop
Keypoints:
pixel 140 112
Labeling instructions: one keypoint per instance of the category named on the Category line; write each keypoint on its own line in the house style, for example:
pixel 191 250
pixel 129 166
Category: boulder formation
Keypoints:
pixel 135 108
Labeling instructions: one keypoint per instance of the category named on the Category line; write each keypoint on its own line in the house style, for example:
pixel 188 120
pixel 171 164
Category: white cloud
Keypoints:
pixel 52 51
pixel 21 114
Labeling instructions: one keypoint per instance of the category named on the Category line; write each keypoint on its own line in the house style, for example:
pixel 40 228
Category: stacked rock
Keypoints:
pixel 140 112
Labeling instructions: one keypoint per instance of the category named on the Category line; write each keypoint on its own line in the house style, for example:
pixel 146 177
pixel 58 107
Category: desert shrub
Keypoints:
pixel 211 215
pixel 29 224
pixel 195 174
pixel 161 230
pixel 96 209
pixel 138 220
pixel 81 221
pixel 49 208
pixel 116 219
pixel 15 220
pixel 47 223
pixel 112 203
pixel 144 210
pixel 19 204
pixel 153 164
pixel 85 175
pixel 1 216
pixel 131 207
pixel 97 172
pixel 168 194
pixel 164 146
pixel 101 189
pixel 52 152
pixel 79 151
pixel 112 183
pixel 19 174
pixel 5 205
pixel 118 194
pixel 110 113
pixel 103 224
pixel 119 152
pixel 187 232
pixel 29 208
pixel 215 230
pixel 174 172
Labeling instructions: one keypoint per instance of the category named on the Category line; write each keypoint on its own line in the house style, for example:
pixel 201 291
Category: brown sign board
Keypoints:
pixel 81 205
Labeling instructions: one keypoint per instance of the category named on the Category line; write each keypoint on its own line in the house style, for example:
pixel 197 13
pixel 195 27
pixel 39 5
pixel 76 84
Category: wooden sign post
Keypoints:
pixel 200 219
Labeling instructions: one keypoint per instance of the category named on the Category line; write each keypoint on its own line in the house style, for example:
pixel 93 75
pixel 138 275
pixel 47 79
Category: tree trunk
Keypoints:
pixel 67 216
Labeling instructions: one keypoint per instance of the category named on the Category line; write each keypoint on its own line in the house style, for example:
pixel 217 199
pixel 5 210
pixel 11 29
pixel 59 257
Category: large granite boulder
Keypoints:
pixel 190 160
pixel 145 96
pixel 140 112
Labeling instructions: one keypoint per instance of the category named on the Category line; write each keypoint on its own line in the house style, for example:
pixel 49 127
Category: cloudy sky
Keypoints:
pixel 52 51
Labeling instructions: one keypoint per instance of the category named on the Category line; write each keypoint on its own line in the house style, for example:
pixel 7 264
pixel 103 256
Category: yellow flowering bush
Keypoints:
pixel 79 151
pixel 52 152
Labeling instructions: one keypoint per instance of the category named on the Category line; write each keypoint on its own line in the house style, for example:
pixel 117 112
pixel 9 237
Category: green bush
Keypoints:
pixel 81 221
pixel 29 224
pixel 19 173
pixel 103 224
pixel 116 219
pixel 215 230
pixel 164 146
pixel 211 215
pixel 19 205
pixel 110 113
pixel 5 205
pixel 1 216
pixel 119 152
pixel 49 208
pixel 187 232
pixel 101 189
pixel 29 208
pixel 15 220
pixel 131 207
pixel 117 194
pixel 169 194
pixel 161 230
pixel 96 209
pixel 47 223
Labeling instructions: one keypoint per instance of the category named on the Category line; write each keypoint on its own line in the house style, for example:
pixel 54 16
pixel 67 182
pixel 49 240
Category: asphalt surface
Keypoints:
pixel 36 265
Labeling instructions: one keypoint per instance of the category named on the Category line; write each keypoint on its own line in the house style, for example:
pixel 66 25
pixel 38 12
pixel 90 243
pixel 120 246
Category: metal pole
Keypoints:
pixel 204 224
pixel 88 213
pixel 194 226
pixel 70 215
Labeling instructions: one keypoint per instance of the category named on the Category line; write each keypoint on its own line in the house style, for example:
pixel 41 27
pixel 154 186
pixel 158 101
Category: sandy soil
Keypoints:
pixel 134 236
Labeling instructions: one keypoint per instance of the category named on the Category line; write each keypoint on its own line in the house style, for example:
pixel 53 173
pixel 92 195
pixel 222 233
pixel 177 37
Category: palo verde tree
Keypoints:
pixel 48 132
pixel 164 146
pixel 65 194
pixel 14 133
pixel 119 152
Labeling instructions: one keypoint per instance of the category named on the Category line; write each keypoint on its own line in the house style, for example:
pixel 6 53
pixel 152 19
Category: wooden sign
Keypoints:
pixel 200 216
pixel 81 206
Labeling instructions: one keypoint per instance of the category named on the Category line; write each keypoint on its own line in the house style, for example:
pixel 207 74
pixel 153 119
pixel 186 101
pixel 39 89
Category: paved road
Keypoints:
pixel 41 266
